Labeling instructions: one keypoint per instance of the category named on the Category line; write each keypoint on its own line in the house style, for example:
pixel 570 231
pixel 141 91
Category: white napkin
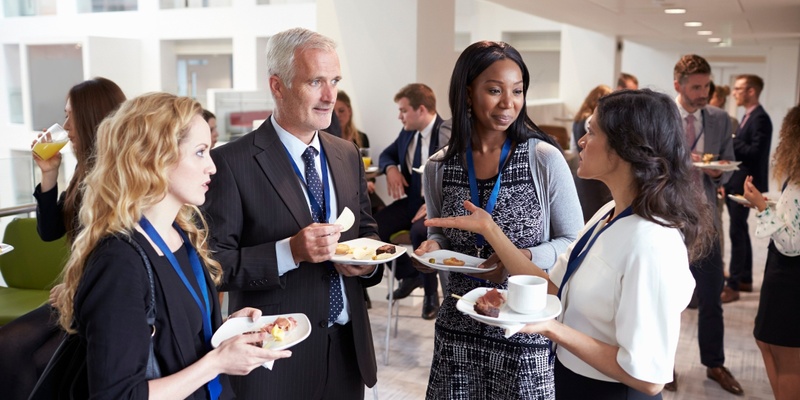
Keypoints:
pixel 511 329
pixel 268 365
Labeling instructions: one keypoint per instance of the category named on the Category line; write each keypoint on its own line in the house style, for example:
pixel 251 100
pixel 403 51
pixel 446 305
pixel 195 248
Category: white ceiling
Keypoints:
pixel 740 23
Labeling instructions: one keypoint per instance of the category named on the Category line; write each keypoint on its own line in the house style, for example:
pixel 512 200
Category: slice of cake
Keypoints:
pixel 490 303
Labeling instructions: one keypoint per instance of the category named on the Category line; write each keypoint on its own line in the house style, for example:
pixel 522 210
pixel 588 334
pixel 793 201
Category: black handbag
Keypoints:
pixel 65 376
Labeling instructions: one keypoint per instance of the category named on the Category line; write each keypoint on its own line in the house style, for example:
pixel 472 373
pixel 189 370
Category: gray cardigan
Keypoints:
pixel 555 190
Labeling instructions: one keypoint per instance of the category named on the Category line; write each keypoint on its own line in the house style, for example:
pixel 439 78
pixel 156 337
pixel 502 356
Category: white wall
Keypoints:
pixel 652 67
pixel 587 60
pixel 115 59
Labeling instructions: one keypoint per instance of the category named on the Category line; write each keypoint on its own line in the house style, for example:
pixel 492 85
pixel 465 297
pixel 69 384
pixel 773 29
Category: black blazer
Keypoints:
pixel 50 213
pixel 110 313
pixel 256 200
pixel 395 154
pixel 751 146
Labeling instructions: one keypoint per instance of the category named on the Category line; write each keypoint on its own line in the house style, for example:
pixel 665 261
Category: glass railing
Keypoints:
pixel 28 8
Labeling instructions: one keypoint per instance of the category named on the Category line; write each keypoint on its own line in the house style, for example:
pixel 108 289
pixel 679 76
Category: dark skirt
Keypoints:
pixel 778 318
pixel 572 386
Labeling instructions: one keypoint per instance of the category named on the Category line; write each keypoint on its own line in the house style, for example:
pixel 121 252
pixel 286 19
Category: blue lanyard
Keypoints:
pixel 214 386
pixel 473 186
pixel 325 192
pixel 578 254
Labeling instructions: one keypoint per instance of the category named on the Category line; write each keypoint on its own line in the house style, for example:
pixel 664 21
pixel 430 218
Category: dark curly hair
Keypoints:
pixel 644 128
pixel 471 63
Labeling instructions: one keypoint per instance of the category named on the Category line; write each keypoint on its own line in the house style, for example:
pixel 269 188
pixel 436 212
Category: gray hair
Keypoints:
pixel 282 46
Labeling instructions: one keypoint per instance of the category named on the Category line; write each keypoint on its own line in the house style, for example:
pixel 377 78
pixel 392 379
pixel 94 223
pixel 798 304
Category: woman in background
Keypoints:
pixel 499 154
pixel 28 342
pixel 777 329
pixel 153 200
pixel 593 194
pixel 344 111
pixel 624 283
pixel 212 124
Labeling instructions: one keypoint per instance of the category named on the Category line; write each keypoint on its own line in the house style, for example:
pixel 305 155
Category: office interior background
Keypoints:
pixel 214 51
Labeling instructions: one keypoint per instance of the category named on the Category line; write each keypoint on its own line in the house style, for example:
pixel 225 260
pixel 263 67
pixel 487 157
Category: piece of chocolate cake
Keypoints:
pixel 387 248
pixel 490 303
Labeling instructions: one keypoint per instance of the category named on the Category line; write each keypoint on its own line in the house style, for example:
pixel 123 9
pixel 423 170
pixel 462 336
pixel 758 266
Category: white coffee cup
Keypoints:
pixel 527 294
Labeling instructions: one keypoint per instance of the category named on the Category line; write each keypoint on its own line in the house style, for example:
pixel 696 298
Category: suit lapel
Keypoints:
pixel 338 169
pixel 711 141
pixel 275 164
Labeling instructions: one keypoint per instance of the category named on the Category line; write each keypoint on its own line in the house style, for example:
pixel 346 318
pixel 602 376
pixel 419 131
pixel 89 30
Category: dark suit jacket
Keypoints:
pixel 256 200
pixel 751 146
pixel 395 154
pixel 110 311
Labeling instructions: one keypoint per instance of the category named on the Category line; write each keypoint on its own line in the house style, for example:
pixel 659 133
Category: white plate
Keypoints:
pixel 5 248
pixel 470 263
pixel 371 169
pixel 507 316
pixel 238 326
pixel 737 198
pixel 369 244
pixel 727 166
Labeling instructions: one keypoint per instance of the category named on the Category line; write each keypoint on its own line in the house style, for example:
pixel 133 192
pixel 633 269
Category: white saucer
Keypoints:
pixel 737 198
pixel 507 316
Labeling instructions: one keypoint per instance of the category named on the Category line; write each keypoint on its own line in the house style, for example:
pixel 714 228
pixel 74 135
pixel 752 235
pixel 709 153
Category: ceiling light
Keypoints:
pixel 714 40
pixel 675 11
pixel 704 33
pixel 693 24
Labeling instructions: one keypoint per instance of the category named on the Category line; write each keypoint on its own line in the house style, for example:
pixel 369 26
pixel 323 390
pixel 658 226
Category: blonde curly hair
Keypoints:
pixel 137 146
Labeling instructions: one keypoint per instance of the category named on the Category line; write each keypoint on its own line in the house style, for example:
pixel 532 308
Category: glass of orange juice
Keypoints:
pixel 365 157
pixel 51 142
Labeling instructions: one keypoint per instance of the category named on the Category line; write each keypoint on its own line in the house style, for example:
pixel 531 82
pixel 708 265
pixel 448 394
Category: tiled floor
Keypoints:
pixel 406 376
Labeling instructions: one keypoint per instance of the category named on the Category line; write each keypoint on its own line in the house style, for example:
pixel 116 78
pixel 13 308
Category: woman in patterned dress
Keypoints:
pixel 625 282
pixel 777 329
pixel 494 141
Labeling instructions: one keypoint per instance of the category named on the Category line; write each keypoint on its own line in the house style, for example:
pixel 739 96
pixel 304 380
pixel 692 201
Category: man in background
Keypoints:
pixel 422 135
pixel 627 81
pixel 707 131
pixel 751 144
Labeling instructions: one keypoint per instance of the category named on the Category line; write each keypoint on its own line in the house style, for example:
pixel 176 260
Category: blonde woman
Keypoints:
pixel 152 170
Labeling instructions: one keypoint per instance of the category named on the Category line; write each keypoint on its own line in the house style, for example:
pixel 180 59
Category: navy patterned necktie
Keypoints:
pixel 336 302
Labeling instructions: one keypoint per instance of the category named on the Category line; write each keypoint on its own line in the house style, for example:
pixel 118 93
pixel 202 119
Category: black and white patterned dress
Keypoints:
pixel 472 360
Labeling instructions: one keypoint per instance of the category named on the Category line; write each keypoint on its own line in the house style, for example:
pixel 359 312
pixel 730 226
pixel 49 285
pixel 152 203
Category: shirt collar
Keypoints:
pixel 295 146
pixel 426 132
pixel 698 115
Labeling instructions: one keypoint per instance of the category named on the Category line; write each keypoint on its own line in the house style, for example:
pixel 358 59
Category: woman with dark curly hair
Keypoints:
pixel 625 281
pixel 777 328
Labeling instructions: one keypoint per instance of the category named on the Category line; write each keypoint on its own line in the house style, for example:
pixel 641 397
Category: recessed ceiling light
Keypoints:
pixel 714 40
pixel 675 11
pixel 704 33
pixel 692 24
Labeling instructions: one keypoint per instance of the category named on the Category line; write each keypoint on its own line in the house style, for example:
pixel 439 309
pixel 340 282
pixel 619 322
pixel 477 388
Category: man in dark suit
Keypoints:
pixel 422 135
pixel 269 206
pixel 751 145
pixel 707 130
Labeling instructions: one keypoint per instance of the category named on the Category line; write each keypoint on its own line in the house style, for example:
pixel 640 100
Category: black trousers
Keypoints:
pixel 572 386
pixel 397 217
pixel 344 379
pixel 709 281
pixel 741 265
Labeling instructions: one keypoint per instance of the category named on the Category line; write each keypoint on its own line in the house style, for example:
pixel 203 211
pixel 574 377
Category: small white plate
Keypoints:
pixel 5 248
pixel 737 198
pixel 371 169
pixel 470 263
pixel 238 326
pixel 369 244
pixel 726 166
pixel 507 316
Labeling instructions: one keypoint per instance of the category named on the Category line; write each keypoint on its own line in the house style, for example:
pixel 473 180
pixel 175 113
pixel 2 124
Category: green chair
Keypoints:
pixel 30 270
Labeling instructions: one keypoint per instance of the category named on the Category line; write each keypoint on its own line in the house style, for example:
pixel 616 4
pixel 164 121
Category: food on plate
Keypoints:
pixel 387 248
pixel 707 157
pixel 363 253
pixel 342 249
pixel 383 256
pixel 454 262
pixel 278 329
pixel 432 260
pixel 490 303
